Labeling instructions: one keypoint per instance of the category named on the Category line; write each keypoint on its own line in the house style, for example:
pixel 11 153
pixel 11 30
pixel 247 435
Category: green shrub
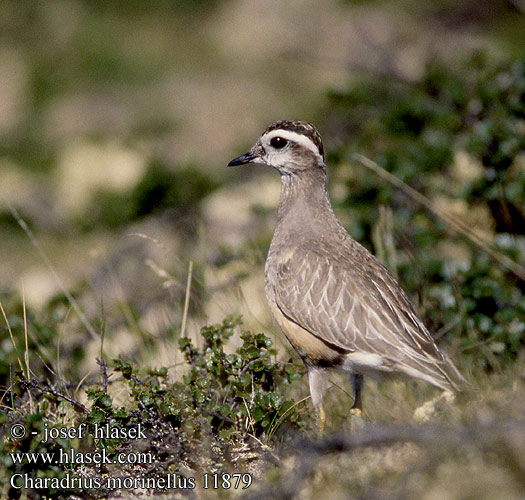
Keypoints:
pixel 223 403
pixel 223 395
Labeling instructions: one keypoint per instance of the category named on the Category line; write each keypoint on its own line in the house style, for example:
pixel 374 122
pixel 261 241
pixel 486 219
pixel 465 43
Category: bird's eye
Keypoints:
pixel 278 142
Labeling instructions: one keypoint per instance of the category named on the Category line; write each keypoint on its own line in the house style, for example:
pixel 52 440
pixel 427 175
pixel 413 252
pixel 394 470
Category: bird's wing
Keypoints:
pixel 358 308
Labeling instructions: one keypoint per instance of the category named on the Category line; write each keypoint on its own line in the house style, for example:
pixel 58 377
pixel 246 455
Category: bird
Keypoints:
pixel 337 305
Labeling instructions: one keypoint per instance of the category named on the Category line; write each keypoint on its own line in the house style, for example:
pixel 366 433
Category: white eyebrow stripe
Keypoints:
pixel 295 137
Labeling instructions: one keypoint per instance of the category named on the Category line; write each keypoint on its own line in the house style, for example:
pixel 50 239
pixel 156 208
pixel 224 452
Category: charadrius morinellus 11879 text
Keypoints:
pixel 336 303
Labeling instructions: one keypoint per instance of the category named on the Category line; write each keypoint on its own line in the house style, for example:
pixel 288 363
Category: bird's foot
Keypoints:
pixel 356 412
pixel 357 420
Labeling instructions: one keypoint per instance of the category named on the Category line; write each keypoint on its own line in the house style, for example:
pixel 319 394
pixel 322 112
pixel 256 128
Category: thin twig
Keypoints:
pixel 82 380
pixel 186 300
pixel 28 370
pixel 32 384
pixel 103 373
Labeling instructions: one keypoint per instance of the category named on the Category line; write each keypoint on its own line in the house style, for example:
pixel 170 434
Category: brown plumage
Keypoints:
pixel 335 302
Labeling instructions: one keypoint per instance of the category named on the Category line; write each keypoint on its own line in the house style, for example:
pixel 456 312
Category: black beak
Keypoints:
pixel 242 160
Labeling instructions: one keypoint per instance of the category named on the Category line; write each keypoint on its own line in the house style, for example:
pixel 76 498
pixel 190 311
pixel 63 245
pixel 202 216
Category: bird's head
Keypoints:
pixel 288 146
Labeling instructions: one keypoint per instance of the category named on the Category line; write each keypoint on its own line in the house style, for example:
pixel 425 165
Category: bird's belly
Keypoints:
pixel 312 350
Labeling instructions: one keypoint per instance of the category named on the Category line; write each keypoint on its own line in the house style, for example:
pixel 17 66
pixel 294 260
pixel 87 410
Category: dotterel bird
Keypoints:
pixel 336 303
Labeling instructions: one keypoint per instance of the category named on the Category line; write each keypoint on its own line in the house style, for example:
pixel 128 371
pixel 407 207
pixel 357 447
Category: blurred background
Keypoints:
pixel 122 229
pixel 117 121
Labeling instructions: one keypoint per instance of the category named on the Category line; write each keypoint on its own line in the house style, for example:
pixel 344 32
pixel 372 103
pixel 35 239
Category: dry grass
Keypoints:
pixel 473 448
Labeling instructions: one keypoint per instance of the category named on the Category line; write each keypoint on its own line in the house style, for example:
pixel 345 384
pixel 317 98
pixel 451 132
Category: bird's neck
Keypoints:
pixel 304 200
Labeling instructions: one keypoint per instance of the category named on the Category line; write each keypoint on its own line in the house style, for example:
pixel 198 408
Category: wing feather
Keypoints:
pixel 359 309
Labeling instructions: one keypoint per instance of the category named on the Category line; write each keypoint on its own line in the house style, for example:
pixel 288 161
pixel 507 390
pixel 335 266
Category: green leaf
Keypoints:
pixel 257 414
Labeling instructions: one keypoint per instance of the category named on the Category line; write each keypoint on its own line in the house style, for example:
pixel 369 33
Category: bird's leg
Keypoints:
pixel 317 379
pixel 357 385
pixel 321 418
pixel 356 411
